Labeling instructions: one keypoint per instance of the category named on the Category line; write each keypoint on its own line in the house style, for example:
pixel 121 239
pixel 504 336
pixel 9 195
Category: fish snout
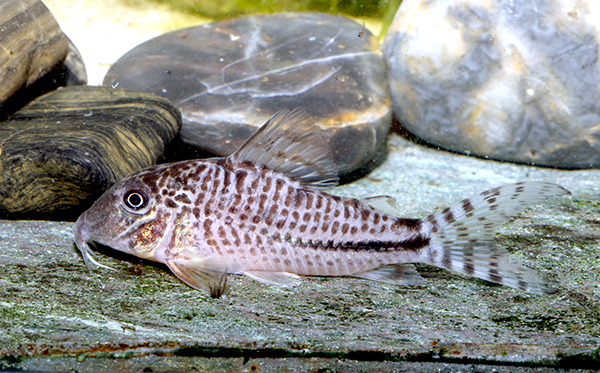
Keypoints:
pixel 81 231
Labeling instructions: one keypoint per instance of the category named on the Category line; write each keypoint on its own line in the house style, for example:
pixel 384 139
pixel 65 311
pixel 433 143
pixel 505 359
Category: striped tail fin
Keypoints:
pixel 462 236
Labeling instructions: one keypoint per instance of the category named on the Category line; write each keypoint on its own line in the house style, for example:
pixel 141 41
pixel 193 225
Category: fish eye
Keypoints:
pixel 135 199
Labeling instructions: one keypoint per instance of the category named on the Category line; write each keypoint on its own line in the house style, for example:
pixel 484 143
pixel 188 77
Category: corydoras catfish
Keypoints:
pixel 263 212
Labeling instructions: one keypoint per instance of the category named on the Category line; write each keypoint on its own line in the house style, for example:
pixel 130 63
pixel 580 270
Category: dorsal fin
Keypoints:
pixel 291 144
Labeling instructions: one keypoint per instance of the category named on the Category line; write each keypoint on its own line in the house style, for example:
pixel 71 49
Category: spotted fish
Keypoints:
pixel 263 212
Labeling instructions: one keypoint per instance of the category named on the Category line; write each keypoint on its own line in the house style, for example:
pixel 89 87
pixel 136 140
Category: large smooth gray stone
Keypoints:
pixel 510 80
pixel 229 77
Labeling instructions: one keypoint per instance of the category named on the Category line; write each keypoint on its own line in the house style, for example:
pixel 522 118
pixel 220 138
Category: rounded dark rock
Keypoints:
pixel 64 149
pixel 229 77
pixel 510 80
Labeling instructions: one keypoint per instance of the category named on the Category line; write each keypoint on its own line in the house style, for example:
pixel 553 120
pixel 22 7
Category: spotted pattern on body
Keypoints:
pixel 260 212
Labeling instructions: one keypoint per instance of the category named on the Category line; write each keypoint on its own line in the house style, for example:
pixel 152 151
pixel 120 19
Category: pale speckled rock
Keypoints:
pixel 510 80
pixel 229 77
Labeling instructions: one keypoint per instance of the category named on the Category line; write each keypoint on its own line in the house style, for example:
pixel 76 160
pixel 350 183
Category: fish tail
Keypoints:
pixel 462 236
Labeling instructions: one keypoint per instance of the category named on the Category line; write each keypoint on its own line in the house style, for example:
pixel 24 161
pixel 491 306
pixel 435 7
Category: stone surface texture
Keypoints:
pixel 229 77
pixel 64 149
pixel 31 44
pixel 141 316
pixel 509 80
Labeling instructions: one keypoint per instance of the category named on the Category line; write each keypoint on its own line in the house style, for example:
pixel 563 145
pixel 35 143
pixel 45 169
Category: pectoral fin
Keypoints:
pixel 395 274
pixel 207 274
pixel 275 278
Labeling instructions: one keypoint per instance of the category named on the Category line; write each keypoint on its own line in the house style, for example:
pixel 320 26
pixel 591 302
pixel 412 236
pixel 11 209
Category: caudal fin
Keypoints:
pixel 462 236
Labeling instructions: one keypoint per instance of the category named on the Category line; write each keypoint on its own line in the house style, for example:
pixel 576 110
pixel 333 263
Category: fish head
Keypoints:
pixel 127 218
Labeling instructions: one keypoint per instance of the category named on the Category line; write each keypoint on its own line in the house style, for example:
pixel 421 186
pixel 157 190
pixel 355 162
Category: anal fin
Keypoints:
pixel 209 274
pixel 275 278
pixel 395 274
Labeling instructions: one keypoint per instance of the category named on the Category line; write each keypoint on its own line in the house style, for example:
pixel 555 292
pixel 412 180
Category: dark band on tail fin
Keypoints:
pixel 462 236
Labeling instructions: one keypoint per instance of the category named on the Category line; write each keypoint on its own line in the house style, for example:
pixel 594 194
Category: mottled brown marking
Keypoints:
pixel 199 199
pixel 467 206
pixel 267 185
pixel 183 198
pixel 376 218
pixel 309 200
pixel 365 214
pixel 170 203
pixel 271 215
pixel 335 227
pixel 328 206
pixel 280 224
pixel 240 178
pixel 410 224
pixel 493 207
pixel 345 228
pixel 469 268
pixel 253 251
pixel 236 237
pixel 495 276
pixel 295 215
pixel 447 259
pixel 261 203
pixel 306 217
pixel 287 262
pixel 364 228
pixel 319 201
pixel 289 196
pixel 353 230
pixel 299 198
pixel 325 227
pixel 448 216
pixel 346 212
pixel 302 228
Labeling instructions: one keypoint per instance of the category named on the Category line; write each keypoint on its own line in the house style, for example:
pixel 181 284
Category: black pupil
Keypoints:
pixel 135 200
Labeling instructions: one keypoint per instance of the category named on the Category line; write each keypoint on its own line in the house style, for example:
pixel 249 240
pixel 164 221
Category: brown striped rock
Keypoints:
pixel 229 77
pixel 64 149
pixel 510 80
pixel 31 44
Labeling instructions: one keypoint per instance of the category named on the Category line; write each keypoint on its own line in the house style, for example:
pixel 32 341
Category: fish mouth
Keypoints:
pixel 83 237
